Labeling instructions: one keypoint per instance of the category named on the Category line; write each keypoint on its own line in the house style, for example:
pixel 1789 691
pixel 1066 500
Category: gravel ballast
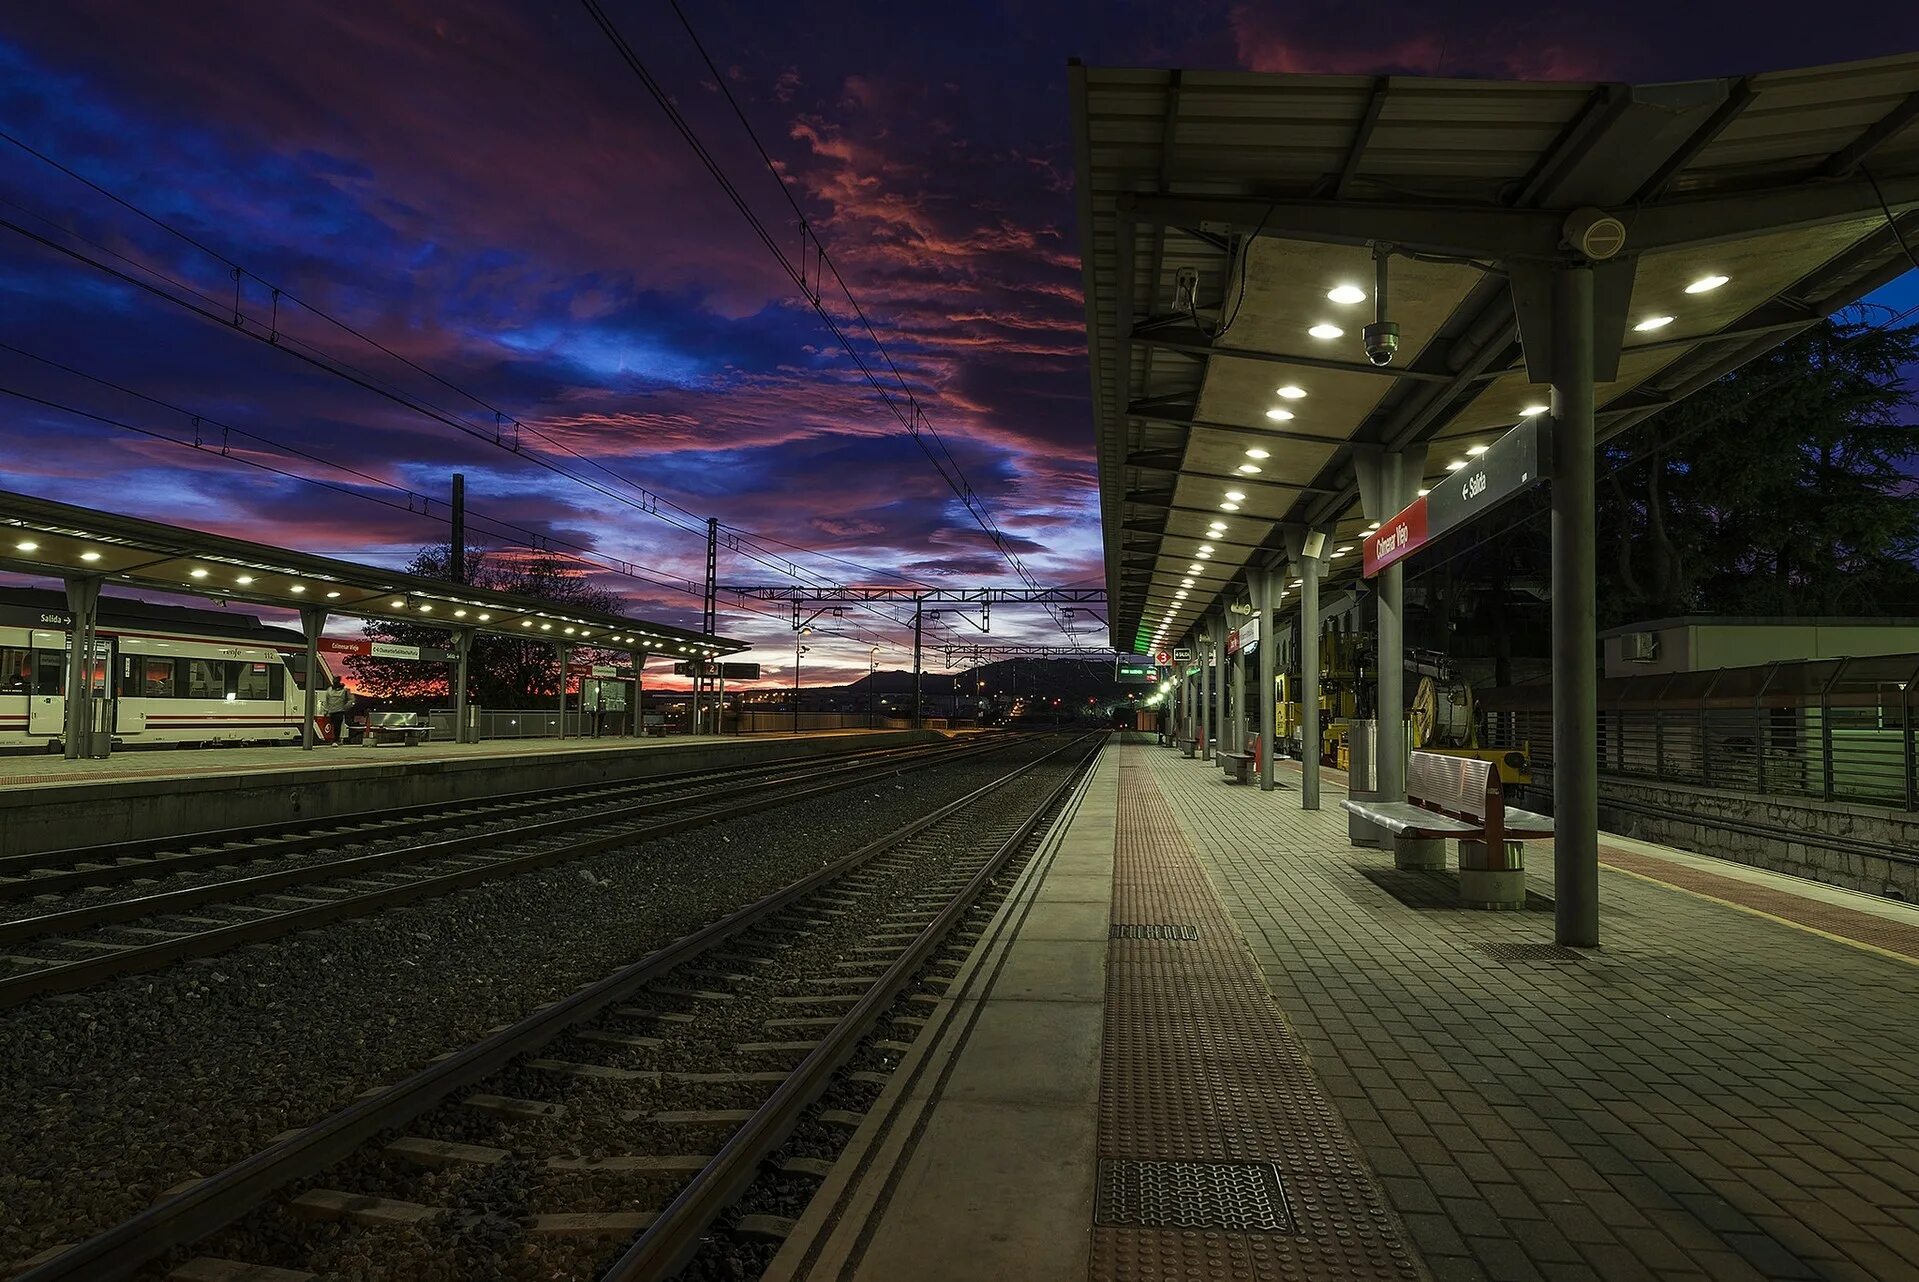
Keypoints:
pixel 109 1096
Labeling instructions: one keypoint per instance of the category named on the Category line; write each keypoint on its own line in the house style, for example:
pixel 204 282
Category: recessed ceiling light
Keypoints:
pixel 485 617
pixel 89 557
pixel 1186 583
pixel 1292 391
pixel 425 609
pixel 196 574
pixel 1343 549
pixel 1346 294
pixel 1475 450
pixel 1180 595
pixel 1279 415
pixel 548 627
pixel 27 545
pixel 1205 549
pixel 459 614
pixel 1531 410
pixel 1372 527
pixel 1250 469
pixel 1235 495
pixel 1203 555
pixel 1257 453
pixel 1327 331
pixel 297 589
pixel 1653 322
pixel 398 605
pixel 333 596
pixel 1297 583
pixel 1424 493
pixel 1706 284
pixel 244 579
pixel 1195 568
pixel 1229 507
pixel 1455 465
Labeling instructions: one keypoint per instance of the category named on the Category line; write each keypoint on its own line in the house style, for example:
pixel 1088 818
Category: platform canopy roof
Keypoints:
pixel 41 537
pixel 1219 212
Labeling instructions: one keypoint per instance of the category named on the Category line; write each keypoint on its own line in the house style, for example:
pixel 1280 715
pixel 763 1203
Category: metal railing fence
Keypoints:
pixel 1836 729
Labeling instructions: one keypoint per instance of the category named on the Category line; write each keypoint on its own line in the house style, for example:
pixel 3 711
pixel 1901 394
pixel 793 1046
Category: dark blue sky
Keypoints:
pixel 483 189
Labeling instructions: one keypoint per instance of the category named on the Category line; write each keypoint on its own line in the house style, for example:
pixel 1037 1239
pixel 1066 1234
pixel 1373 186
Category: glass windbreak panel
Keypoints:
pixel 16 670
pixel 206 679
pixel 49 672
pixel 253 680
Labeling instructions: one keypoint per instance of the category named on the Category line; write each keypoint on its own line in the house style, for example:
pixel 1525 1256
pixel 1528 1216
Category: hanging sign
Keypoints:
pixel 1164 658
pixel 383 650
pixel 1248 635
pixel 1182 654
pixel 1510 466
pixel 1135 669
pixel 1232 643
pixel 1396 539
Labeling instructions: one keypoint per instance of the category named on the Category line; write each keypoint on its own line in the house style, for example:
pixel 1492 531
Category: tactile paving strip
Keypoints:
pixel 1199 1068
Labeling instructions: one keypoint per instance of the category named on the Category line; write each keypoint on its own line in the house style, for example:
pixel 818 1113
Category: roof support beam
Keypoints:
pixel 1250 435
pixel 1736 100
pixel 1355 150
pixel 1188 341
pixel 1715 219
pixel 1475 232
pixel 1844 161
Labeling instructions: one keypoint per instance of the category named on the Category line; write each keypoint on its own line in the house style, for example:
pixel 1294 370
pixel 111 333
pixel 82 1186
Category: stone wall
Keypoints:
pixel 1863 848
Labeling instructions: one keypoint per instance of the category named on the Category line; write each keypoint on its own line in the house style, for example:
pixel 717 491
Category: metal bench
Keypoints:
pixel 393 727
pixel 1460 798
pixel 1237 765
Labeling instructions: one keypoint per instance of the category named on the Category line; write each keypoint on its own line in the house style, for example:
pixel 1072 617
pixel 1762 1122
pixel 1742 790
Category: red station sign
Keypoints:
pixel 1399 537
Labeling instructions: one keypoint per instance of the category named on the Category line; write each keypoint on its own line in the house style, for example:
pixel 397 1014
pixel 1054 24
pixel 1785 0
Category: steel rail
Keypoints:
pixel 71 976
pixel 224 1197
pixel 669 1243
pixel 289 836
pixel 93 916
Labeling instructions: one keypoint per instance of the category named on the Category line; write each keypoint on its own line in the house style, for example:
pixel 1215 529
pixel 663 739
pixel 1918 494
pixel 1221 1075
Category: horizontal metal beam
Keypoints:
pixel 1189 341
pixel 1250 435
pixel 1468 231
pixel 1712 220
pixel 965 596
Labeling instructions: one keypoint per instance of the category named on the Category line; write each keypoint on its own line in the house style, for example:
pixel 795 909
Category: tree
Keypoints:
pixel 1785 488
pixel 502 672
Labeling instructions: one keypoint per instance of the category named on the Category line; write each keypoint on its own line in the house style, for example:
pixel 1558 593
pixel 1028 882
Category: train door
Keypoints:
pixel 47 706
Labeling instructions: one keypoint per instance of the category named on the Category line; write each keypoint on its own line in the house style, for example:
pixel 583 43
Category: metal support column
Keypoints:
pixel 638 658
pixel 1575 674
pixel 919 617
pixel 462 672
pixel 1220 730
pixel 312 623
pixel 560 649
pixel 1266 585
pixel 83 603
pixel 1203 648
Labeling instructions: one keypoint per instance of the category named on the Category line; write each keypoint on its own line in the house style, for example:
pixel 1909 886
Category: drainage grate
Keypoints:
pixel 1244 1196
pixel 1132 930
pixel 1529 952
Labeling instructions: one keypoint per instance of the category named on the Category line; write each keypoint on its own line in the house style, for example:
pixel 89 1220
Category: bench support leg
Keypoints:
pixel 1488 880
pixel 1419 852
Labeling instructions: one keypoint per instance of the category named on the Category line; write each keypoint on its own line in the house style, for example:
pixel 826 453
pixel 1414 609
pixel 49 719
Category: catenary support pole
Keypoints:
pixel 639 692
pixel 1575 680
pixel 560 653
pixel 456 543
pixel 919 617
pixel 1266 584
pixel 312 623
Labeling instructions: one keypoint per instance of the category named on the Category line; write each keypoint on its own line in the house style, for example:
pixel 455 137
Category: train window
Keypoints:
pixel 49 672
pixel 158 678
pixel 252 680
pixel 296 667
pixel 206 679
pixel 16 670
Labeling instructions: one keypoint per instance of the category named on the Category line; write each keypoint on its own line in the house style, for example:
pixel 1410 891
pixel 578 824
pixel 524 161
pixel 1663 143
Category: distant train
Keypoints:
pixel 171 675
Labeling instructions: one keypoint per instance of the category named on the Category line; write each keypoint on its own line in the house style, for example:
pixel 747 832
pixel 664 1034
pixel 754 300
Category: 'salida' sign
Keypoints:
pixel 1511 465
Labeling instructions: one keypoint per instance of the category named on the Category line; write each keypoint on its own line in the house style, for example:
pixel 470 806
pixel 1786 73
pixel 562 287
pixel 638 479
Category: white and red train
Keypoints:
pixel 172 675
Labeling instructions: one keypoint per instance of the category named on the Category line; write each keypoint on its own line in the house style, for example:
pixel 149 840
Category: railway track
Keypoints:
pixel 634 1111
pixel 63 949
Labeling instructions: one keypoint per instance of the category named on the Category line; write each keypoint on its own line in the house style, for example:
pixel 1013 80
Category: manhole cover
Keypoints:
pixel 1529 952
pixel 1245 1196
pixel 1128 930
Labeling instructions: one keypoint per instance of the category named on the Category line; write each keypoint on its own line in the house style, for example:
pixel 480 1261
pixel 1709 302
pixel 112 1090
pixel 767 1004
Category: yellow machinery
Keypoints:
pixel 1443 722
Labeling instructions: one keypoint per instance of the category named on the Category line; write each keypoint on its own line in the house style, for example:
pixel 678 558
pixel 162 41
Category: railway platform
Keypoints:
pixel 1208 1038
pixel 48 803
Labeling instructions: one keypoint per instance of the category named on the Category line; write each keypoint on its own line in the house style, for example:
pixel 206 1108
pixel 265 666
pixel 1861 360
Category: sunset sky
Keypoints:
pixel 485 190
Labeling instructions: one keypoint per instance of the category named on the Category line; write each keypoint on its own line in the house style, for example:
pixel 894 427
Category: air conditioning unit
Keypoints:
pixel 1639 647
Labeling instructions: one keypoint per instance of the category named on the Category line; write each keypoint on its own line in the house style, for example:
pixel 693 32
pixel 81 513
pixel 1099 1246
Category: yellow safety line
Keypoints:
pixel 1756 912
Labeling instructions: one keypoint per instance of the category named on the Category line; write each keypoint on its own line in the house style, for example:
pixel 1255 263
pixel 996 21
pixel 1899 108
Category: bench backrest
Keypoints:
pixel 1463 787
pixel 394 720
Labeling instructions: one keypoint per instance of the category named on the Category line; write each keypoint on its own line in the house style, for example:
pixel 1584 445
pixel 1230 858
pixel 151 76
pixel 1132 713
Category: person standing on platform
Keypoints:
pixel 339 703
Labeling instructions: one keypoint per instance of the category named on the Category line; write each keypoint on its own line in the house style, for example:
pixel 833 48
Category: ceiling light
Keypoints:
pixel 1706 284
pixel 1297 583
pixel 548 627
pixel 1258 454
pixel 1424 493
pixel 426 609
pixel 1235 495
pixel 485 617
pixel 1327 331
pixel 1205 549
pixel 1346 294
pixel 1475 450
pixel 1250 469
pixel 459 614
pixel 1186 583
pixel 1455 465
pixel 1653 322
pixel 398 605
pixel 1372 527
pixel 333 596
pixel 196 574
pixel 1532 410
pixel 1342 549
pixel 1202 555
pixel 89 557
pixel 1292 392
pixel 1229 507
pixel 1180 595
pixel 526 623
pixel 297 589
pixel 244 579
pixel 27 545
pixel 1279 415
